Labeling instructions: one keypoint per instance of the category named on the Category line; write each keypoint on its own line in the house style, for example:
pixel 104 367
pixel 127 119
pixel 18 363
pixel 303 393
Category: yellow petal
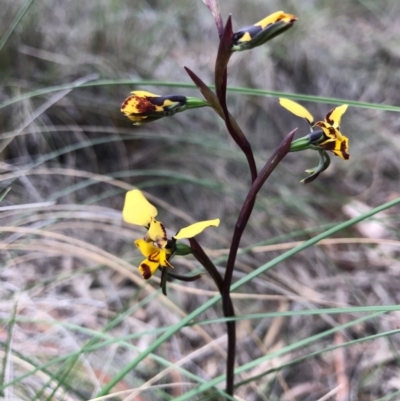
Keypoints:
pixel 137 209
pixel 335 115
pixel 245 38
pixel 157 233
pixel 146 248
pixel 164 260
pixel 196 228
pixel 277 16
pixel 168 103
pixel 147 268
pixel 296 109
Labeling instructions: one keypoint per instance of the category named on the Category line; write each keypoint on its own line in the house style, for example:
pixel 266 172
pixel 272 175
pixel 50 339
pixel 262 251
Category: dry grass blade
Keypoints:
pixel 45 106
pixel 69 154
pixel 63 245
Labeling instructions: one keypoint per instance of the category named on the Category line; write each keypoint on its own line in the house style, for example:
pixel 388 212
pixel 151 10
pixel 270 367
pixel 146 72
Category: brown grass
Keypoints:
pixel 68 263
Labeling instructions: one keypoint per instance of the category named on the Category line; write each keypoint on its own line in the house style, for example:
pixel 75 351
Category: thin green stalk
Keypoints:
pixel 4 193
pixel 123 342
pixel 22 11
pixel 239 90
pixel 318 353
pixel 126 341
pixel 390 397
pixel 7 348
pixel 61 375
pixel 310 312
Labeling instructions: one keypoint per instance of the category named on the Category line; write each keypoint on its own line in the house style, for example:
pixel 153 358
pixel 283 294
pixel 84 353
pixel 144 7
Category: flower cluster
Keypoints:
pixel 143 107
pixel 157 246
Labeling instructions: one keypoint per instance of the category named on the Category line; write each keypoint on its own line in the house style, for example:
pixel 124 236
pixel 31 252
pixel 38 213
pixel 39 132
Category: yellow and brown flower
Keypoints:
pixel 325 134
pixel 143 107
pixel 156 247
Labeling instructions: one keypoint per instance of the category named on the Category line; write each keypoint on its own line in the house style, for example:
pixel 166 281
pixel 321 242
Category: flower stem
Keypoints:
pixel 241 223
pixel 221 64
pixel 228 310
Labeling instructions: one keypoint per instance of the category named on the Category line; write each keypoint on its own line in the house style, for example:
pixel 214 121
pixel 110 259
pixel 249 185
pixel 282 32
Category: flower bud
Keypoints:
pixel 262 31
pixel 144 107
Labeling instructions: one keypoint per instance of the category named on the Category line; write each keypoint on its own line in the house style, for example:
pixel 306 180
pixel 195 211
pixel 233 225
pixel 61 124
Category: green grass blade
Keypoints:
pixel 22 11
pixel 390 397
pixel 318 353
pixel 7 348
pixel 4 193
pixel 239 90
pixel 124 342
pixel 310 312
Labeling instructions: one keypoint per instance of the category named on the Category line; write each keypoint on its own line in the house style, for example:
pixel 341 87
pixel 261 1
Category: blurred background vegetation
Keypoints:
pixel 68 273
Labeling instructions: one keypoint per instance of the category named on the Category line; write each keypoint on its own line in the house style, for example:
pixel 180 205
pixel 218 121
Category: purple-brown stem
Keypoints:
pixel 248 204
pixel 241 223
pixel 223 56
pixel 227 306
pixel 201 256
pixel 231 124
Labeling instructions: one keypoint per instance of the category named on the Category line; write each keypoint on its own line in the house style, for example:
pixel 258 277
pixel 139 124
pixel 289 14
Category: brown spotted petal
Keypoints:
pixel 142 107
pixel 335 142
pixel 139 106
pixel 157 233
pixel 147 268
pixel 334 116
pixel 155 257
